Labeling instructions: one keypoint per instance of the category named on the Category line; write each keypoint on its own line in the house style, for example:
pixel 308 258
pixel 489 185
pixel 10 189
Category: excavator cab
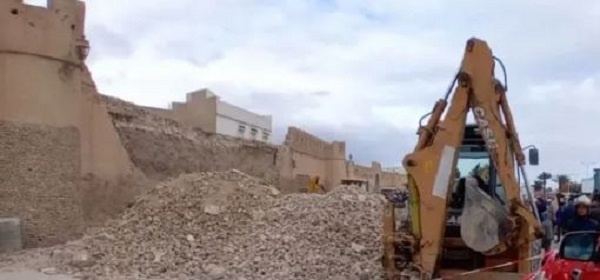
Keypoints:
pixel 473 160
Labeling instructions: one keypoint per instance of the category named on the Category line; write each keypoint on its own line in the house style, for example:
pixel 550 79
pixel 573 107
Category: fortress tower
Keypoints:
pixel 60 156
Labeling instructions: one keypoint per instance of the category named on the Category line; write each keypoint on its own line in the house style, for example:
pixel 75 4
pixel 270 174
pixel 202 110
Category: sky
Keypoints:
pixel 356 70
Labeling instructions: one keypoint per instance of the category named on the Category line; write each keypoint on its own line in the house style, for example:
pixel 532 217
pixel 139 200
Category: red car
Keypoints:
pixel 578 258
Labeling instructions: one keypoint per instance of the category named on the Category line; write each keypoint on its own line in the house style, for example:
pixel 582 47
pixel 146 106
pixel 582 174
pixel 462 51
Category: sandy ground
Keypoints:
pixel 26 274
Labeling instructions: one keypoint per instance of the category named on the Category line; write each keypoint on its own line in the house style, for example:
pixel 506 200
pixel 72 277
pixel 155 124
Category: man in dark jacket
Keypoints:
pixel 560 216
pixel 582 220
pixel 567 213
pixel 542 207
pixel 595 210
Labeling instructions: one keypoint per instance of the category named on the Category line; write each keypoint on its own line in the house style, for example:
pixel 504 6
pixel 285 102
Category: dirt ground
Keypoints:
pixel 27 274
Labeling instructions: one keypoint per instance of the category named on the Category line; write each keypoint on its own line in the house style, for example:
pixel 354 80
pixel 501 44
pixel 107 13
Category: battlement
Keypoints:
pixel 307 143
pixel 55 31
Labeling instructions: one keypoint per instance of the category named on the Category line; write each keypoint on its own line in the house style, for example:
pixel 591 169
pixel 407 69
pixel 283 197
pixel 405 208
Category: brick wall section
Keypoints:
pixel 162 147
pixel 370 173
pixel 305 155
pixel 40 168
pixel 160 155
pixel 105 199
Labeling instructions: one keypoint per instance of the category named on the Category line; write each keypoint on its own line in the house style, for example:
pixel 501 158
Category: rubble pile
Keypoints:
pixel 311 236
pixel 228 225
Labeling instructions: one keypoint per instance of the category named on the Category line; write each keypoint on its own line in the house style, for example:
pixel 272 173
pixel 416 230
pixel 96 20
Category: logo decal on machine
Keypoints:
pixel 484 126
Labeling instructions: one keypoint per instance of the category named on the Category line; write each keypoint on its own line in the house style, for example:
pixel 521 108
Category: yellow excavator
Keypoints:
pixel 314 185
pixel 466 180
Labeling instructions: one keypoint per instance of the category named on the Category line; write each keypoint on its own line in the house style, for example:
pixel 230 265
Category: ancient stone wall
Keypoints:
pixel 70 157
pixel 39 166
pixel 376 176
pixel 304 154
pixel 45 80
pixel 162 147
pixel 45 83
pixel 393 179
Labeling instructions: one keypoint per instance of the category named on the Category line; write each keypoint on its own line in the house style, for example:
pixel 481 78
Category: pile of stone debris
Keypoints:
pixel 228 225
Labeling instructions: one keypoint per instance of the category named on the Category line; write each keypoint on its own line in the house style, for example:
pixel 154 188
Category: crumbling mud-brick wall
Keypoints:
pixel 39 169
pixel 377 177
pixel 303 154
pixel 44 82
pixel 162 147
pixel 111 181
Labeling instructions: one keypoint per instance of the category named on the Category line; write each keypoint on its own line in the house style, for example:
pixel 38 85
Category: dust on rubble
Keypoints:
pixel 226 225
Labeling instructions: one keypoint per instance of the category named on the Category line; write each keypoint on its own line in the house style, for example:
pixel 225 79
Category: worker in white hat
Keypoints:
pixel 582 220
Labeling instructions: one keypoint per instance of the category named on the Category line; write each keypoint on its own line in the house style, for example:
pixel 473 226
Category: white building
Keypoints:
pixel 235 121
pixel 206 110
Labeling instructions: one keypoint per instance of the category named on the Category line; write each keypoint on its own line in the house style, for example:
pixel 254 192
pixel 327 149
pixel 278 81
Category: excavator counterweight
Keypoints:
pixel 465 180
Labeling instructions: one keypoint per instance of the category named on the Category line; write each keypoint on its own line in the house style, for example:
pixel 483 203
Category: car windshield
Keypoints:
pixel 579 246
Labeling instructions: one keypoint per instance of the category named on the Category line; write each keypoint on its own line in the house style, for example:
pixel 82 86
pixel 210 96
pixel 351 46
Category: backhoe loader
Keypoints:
pixel 467 216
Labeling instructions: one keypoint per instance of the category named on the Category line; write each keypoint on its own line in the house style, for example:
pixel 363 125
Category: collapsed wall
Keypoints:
pixel 51 115
pixel 228 225
pixel 163 147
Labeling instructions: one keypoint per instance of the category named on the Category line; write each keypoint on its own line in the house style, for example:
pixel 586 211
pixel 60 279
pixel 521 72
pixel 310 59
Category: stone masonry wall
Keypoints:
pixel 45 84
pixel 305 155
pixel 162 147
pixel 40 170
pixel 378 178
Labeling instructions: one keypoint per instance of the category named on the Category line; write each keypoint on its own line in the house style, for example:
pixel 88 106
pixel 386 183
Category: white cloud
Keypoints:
pixel 351 63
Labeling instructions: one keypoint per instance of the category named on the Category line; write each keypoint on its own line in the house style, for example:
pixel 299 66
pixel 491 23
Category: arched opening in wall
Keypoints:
pixel 37 3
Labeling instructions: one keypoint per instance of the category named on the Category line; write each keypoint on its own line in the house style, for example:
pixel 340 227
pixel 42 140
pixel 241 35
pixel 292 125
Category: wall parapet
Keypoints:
pixel 304 142
pixel 55 32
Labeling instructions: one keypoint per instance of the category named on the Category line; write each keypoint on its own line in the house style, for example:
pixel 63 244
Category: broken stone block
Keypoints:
pixel 212 209
pixel 81 260
pixel 49 270
pixel 10 235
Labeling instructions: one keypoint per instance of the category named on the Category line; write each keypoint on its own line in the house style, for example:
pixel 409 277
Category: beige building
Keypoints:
pixel 206 110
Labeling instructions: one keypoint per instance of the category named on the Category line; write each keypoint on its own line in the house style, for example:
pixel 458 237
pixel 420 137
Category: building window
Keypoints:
pixel 241 129
pixel 253 131
pixel 265 136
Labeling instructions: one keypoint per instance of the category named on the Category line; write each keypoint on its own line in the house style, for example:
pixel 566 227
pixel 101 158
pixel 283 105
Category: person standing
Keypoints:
pixel 582 220
pixel 314 185
pixel 543 210
pixel 595 209
pixel 559 216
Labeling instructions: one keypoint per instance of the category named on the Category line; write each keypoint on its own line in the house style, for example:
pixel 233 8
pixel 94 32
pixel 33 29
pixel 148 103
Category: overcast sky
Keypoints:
pixel 356 70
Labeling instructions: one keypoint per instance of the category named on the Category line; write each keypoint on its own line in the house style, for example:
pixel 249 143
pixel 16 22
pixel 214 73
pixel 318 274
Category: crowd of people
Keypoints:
pixel 568 214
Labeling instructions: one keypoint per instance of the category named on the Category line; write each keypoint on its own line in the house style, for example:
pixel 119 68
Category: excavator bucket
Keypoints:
pixel 484 220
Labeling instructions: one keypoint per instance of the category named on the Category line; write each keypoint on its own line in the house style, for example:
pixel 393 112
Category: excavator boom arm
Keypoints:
pixel 432 164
